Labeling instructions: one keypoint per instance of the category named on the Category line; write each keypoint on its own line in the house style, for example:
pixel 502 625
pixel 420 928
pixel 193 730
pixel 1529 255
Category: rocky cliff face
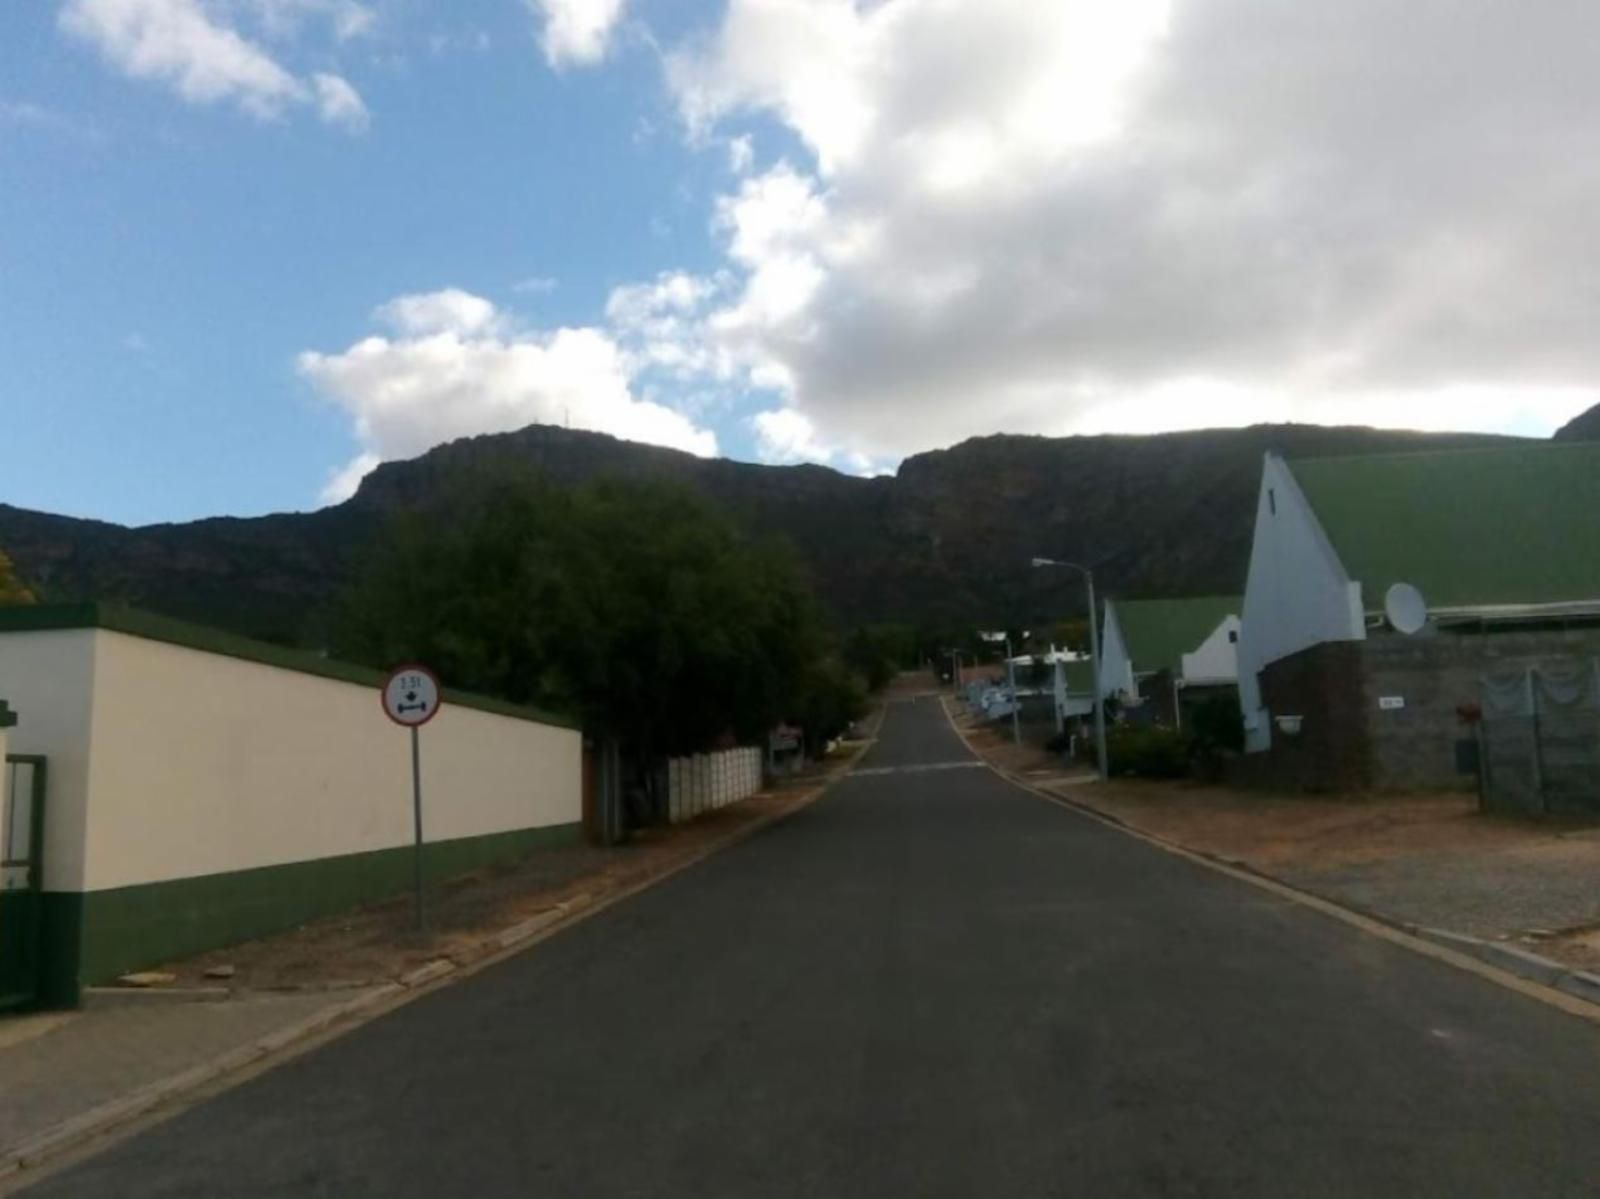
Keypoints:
pixel 946 540
pixel 1581 428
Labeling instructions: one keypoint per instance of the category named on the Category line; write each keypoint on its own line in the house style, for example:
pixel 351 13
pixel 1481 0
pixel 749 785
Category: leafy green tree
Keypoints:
pixel 878 652
pixel 829 700
pixel 13 591
pixel 632 606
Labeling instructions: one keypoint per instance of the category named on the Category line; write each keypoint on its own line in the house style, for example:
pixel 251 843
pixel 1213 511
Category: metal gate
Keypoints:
pixel 21 879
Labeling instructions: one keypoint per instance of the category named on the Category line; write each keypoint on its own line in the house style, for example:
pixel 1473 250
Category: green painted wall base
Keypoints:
pixel 92 937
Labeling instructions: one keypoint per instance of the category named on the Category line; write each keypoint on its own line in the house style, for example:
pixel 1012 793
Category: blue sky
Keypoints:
pixel 162 263
pixel 250 247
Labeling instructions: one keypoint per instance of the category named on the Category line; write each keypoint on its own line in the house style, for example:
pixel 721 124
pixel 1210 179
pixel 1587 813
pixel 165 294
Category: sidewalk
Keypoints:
pixel 67 1076
pixel 1429 862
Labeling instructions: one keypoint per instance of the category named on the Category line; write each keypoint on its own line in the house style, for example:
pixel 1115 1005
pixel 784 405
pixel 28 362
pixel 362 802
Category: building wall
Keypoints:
pixel 1216 659
pixel 205 764
pixel 1414 747
pixel 1116 664
pixel 1350 741
pixel 1298 595
pixel 47 677
pixel 198 798
pixel 1323 687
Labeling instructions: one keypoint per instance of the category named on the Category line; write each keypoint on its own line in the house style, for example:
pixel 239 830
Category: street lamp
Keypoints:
pixel 1094 662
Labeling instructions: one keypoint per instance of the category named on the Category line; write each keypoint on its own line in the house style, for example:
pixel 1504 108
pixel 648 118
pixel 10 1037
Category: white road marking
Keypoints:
pixel 920 768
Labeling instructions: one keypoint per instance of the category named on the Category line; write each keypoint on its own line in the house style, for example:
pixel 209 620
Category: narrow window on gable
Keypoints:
pixel 1233 636
pixel 1272 500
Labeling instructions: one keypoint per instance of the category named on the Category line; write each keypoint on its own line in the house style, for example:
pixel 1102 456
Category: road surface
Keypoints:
pixel 930 983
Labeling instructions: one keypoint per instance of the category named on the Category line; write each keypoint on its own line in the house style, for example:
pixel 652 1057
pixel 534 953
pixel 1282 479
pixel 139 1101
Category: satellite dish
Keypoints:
pixel 1406 609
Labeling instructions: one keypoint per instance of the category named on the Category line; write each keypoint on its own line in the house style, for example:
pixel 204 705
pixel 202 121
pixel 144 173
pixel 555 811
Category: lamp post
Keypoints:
pixel 1094 660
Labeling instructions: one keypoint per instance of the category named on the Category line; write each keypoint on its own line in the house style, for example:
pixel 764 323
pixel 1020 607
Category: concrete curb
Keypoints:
pixel 1535 967
pixel 19 1162
pixel 1576 992
pixel 100 998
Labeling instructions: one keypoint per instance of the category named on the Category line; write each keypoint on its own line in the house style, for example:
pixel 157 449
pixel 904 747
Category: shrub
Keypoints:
pixel 1152 753
pixel 1216 733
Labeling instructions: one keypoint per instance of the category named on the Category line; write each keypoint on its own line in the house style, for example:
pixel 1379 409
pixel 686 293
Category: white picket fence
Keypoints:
pixel 705 781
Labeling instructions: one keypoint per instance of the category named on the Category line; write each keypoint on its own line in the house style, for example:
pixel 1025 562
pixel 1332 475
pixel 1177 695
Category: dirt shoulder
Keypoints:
pixel 377 942
pixel 1430 860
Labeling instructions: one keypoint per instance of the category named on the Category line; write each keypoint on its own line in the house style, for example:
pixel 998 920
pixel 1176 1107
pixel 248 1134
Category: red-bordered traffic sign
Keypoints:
pixel 411 695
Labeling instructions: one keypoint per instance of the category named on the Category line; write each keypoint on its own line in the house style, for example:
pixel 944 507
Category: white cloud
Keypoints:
pixel 741 155
pixel 784 435
pixel 344 480
pixel 456 368
pixel 449 310
pixel 662 324
pixel 186 45
pixel 286 18
pixel 340 104
pixel 1065 215
pixel 577 32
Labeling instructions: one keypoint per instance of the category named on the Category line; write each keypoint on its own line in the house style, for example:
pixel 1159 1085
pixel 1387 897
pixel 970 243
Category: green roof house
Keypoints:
pixel 1193 639
pixel 1367 575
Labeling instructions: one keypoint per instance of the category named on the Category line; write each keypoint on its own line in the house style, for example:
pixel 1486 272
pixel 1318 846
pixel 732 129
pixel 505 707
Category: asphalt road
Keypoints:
pixel 930 983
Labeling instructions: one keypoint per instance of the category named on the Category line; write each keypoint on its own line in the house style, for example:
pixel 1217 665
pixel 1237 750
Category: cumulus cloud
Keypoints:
pixel 456 367
pixel 577 32
pixel 1065 215
pixel 191 48
pixel 784 435
pixel 449 310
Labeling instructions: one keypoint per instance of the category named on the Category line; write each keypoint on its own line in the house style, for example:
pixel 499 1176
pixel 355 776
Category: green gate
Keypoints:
pixel 21 879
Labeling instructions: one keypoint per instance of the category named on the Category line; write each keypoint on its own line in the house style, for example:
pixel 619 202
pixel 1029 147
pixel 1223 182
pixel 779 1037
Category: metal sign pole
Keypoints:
pixel 411 698
pixel 416 813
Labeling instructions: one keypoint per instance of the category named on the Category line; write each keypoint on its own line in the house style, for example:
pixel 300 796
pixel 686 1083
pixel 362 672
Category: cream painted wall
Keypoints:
pixel 204 764
pixel 48 678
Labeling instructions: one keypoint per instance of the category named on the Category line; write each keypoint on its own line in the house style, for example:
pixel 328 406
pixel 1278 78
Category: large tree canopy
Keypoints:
pixel 633 606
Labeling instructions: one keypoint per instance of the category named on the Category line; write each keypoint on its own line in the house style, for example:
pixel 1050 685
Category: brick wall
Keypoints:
pixel 1414 748
pixel 1322 685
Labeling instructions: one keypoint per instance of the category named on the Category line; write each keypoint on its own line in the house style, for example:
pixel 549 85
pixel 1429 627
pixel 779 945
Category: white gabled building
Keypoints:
pixel 1193 640
pixel 1298 593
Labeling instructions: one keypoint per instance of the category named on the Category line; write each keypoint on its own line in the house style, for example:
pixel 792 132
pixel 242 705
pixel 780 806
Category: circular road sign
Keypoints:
pixel 411 695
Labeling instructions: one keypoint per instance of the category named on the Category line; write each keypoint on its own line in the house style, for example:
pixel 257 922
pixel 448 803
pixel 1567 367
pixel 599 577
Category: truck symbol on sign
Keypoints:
pixel 411 696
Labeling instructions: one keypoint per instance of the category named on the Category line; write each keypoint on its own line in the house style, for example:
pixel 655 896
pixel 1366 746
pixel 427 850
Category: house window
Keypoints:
pixel 1233 636
pixel 1272 500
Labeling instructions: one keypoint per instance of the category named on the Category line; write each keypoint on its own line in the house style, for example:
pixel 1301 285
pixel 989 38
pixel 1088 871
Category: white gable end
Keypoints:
pixel 1216 659
pixel 1298 594
pixel 1116 664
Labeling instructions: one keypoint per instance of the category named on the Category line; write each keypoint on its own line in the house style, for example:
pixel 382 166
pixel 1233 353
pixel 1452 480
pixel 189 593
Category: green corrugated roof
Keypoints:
pixel 1159 632
pixel 1516 525
pixel 1080 678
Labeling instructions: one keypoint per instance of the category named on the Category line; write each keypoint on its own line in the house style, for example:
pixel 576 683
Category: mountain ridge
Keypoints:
pixel 945 540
